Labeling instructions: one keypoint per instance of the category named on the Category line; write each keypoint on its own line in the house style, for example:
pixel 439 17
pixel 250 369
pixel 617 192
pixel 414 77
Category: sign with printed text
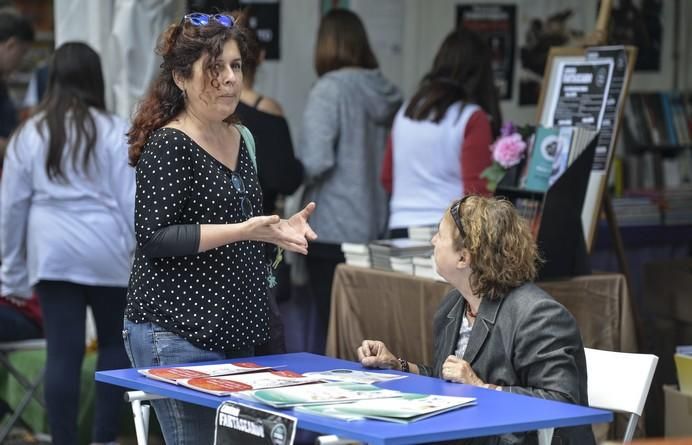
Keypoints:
pixel 239 423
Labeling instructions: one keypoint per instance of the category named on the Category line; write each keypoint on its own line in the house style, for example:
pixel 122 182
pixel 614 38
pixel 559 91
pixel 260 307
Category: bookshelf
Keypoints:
pixel 561 242
pixel 655 178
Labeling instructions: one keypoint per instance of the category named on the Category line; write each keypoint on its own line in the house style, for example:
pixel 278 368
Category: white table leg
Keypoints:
pixel 545 436
pixel 140 413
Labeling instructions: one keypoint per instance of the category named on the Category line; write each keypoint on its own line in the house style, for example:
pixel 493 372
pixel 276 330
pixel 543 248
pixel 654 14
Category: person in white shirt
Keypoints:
pixel 67 231
pixel 441 137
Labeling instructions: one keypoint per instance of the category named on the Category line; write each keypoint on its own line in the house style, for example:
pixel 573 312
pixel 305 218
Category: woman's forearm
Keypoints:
pixel 212 236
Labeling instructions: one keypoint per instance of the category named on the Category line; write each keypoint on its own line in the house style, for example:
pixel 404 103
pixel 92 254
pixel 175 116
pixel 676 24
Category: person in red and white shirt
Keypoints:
pixel 440 139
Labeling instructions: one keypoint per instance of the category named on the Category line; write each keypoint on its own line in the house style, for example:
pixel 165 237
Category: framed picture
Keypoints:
pixel 588 87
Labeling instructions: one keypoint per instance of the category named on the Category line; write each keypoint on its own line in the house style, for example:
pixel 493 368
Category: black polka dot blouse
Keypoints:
pixel 218 299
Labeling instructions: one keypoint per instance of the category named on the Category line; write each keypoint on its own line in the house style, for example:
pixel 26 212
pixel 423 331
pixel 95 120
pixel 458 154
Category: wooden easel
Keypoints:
pixel 599 37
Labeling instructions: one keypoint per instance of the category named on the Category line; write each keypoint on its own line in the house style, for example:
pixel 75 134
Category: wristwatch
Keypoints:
pixel 403 364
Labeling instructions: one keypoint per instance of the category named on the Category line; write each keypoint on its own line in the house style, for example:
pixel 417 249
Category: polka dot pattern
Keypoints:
pixel 218 299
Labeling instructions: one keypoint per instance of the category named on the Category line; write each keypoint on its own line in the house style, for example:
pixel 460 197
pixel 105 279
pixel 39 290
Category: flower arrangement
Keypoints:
pixel 508 151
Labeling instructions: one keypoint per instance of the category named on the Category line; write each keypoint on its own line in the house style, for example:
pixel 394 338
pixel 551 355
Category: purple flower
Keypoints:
pixel 508 150
pixel 507 129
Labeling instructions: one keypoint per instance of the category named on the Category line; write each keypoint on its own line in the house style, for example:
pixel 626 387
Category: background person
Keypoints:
pixel 280 173
pixel 454 114
pixel 198 288
pixel 497 329
pixel 16 34
pixel 345 125
pixel 66 229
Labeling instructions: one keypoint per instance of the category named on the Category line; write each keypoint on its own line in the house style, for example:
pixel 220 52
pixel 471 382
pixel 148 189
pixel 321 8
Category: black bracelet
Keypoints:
pixel 403 364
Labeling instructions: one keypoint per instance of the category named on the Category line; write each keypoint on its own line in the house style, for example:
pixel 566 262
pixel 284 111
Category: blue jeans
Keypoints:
pixel 148 344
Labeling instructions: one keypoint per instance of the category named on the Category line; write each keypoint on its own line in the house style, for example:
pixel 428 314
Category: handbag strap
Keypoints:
pixel 249 143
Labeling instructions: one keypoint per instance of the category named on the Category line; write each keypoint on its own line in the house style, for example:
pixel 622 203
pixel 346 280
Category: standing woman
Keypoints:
pixel 440 141
pixel 345 125
pixel 198 289
pixel 66 228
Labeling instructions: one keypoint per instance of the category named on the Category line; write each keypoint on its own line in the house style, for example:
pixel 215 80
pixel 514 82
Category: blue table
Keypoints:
pixel 495 413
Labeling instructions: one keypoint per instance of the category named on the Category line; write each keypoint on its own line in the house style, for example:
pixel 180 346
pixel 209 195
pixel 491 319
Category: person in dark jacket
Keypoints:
pixel 497 329
pixel 278 170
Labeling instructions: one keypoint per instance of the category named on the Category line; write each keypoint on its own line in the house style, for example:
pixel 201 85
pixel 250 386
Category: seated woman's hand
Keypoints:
pixel 374 354
pixel 458 370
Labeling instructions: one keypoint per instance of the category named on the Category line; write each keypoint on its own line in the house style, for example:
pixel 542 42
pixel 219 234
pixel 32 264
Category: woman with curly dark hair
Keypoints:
pixel 199 284
pixel 497 329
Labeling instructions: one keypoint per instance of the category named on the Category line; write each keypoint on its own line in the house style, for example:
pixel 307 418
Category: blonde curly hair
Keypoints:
pixel 504 254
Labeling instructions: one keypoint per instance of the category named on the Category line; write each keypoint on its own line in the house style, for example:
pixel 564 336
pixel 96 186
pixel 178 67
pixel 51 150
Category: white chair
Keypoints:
pixel 620 381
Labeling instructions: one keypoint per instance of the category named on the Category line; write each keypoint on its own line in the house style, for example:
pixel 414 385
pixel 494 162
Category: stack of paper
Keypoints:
pixel 227 378
pixel 356 254
pixel 176 374
pixel 424 266
pixel 422 233
pixel 409 407
pixel 228 384
pixel 404 249
pixel 321 393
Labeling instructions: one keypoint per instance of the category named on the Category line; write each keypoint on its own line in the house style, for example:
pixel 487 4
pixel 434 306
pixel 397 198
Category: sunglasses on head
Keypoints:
pixel 455 211
pixel 201 19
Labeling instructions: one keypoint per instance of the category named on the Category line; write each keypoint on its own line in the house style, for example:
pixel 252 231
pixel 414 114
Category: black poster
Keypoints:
pixel 238 423
pixel 583 93
pixel 606 137
pixel 497 24
pixel 264 18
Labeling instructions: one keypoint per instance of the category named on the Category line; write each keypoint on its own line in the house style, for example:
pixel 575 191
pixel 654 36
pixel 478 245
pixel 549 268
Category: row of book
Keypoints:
pixel 657 119
pixel 645 208
pixel 341 393
pixel 654 170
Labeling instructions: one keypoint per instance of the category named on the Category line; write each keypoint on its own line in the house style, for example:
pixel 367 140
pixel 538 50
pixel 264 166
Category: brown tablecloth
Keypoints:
pixel 398 309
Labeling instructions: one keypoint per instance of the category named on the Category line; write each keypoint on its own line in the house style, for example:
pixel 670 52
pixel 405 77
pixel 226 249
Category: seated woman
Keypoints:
pixel 497 329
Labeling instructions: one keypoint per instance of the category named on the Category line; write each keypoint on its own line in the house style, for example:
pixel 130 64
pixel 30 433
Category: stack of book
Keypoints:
pixel 356 254
pixel 397 254
pixel 422 233
pixel 424 266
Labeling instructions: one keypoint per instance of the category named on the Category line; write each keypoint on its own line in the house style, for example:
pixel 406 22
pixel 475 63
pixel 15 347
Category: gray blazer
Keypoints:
pixel 526 342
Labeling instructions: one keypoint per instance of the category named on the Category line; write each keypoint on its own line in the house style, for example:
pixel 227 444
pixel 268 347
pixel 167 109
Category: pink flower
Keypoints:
pixel 508 150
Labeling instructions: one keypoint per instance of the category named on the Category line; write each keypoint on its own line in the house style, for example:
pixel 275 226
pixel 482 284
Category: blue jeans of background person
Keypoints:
pixel 64 306
pixel 148 344
pixel 15 326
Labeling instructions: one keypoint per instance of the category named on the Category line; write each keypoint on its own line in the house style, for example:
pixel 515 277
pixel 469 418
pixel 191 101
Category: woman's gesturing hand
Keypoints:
pixel 374 354
pixel 274 230
pixel 299 222
pixel 291 234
